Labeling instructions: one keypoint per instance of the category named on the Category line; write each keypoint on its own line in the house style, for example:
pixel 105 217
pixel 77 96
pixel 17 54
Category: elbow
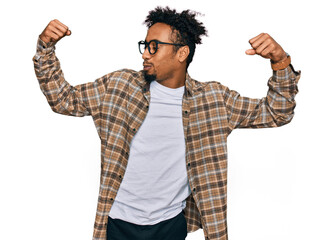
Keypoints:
pixel 283 117
pixel 281 121
pixel 70 109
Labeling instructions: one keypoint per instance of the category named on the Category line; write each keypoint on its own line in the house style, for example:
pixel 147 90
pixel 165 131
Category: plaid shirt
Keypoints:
pixel 118 103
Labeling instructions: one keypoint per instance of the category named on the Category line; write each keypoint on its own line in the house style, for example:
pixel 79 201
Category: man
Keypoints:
pixel 164 134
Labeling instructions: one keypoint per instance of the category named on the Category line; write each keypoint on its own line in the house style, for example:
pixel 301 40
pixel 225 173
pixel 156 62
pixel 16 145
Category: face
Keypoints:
pixel 164 64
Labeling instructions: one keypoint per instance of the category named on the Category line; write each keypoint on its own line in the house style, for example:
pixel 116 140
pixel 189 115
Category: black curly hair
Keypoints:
pixel 187 29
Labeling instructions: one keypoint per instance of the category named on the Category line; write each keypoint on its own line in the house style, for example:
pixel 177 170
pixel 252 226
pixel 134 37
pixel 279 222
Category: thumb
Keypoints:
pixel 250 52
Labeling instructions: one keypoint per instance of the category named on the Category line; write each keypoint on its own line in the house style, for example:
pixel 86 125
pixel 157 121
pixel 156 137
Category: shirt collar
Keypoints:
pixel 189 85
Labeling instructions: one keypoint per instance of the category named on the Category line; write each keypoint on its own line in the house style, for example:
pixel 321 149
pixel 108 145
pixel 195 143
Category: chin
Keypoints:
pixel 149 77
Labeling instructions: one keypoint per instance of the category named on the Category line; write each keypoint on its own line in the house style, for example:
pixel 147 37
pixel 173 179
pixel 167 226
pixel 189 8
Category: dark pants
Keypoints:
pixel 171 229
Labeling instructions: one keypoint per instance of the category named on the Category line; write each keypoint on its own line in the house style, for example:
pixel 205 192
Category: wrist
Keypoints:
pixel 44 39
pixel 282 64
pixel 283 58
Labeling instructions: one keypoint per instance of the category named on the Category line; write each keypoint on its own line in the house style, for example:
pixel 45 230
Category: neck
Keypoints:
pixel 176 81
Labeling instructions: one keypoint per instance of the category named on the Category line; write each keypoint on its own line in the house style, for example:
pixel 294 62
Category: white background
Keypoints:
pixel 280 180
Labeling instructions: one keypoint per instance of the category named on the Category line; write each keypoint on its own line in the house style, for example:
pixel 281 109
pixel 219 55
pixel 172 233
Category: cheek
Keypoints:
pixel 159 66
pixel 161 69
pixel 163 65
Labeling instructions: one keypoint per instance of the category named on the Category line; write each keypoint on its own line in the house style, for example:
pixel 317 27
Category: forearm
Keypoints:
pixel 281 95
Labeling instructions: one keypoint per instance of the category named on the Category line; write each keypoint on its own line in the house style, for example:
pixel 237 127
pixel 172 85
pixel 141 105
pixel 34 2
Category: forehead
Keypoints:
pixel 159 31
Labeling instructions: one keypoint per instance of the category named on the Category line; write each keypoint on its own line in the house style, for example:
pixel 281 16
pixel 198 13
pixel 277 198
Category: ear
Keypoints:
pixel 183 53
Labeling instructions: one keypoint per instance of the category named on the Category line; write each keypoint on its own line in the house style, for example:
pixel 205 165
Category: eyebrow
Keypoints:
pixel 153 40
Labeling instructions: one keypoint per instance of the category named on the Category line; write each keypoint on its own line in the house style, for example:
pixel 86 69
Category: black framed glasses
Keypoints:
pixel 153 46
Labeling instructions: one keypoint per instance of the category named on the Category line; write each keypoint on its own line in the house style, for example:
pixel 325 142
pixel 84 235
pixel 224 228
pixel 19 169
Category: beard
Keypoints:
pixel 149 77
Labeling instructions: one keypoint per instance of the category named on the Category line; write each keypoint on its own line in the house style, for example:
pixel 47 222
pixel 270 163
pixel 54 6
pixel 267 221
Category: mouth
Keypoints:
pixel 147 66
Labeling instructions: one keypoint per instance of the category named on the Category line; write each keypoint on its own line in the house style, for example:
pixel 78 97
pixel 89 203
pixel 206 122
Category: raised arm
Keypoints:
pixel 277 108
pixel 63 98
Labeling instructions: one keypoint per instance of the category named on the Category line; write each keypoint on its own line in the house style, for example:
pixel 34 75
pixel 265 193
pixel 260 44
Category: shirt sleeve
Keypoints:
pixel 274 110
pixel 80 100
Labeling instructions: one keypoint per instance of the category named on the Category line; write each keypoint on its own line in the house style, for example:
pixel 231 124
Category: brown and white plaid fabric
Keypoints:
pixel 118 103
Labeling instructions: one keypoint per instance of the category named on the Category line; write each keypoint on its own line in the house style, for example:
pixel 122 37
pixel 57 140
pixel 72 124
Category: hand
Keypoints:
pixel 54 31
pixel 265 46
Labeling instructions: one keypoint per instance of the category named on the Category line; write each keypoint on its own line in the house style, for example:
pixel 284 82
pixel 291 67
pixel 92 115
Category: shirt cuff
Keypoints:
pixel 286 74
pixel 45 48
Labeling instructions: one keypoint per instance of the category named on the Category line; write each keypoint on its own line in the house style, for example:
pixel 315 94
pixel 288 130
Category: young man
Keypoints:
pixel 164 134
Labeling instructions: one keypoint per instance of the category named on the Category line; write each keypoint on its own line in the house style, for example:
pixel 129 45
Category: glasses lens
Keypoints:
pixel 153 47
pixel 142 47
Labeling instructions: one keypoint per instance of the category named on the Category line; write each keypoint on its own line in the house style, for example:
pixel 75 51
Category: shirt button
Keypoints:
pixel 134 129
pixel 120 176
pixel 188 164
pixel 193 190
pixel 147 107
pixel 185 112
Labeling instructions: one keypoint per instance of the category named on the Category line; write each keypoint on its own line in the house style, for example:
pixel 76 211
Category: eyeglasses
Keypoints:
pixel 153 46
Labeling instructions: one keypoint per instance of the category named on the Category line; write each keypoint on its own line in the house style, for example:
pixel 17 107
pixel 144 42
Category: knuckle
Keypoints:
pixel 47 32
pixel 51 24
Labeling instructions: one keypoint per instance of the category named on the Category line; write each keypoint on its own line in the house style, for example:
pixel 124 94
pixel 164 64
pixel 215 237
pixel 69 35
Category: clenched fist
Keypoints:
pixel 54 31
pixel 265 46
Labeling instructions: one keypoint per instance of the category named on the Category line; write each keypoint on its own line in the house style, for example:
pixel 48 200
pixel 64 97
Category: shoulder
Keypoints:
pixel 125 73
pixel 209 86
pixel 125 76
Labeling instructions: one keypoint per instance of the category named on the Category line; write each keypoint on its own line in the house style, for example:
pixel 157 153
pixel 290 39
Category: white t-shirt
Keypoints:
pixel 155 183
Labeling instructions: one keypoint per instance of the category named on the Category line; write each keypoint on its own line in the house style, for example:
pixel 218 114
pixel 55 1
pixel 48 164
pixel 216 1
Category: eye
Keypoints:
pixel 153 46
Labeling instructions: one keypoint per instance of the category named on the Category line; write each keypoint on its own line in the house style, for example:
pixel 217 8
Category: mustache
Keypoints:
pixel 147 63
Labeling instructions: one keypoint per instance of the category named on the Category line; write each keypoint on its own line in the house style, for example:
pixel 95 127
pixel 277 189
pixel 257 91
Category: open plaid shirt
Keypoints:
pixel 118 103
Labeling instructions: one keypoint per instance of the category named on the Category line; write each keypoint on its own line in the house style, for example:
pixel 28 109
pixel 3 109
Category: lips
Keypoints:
pixel 147 66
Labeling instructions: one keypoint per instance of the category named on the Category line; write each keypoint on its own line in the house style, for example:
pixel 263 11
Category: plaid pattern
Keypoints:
pixel 118 103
